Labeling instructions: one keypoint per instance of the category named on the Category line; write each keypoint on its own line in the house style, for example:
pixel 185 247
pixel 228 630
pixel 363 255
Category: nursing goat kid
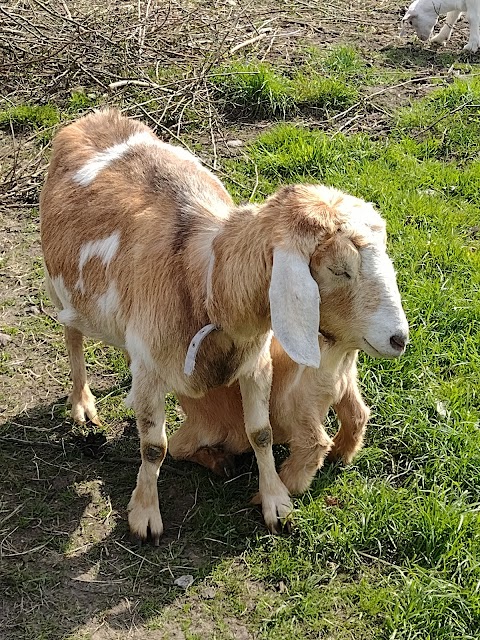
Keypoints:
pixel 145 249
pixel 423 15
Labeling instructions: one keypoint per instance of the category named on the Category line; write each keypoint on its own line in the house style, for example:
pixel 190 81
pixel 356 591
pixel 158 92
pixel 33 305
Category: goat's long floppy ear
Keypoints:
pixel 295 307
pixel 403 30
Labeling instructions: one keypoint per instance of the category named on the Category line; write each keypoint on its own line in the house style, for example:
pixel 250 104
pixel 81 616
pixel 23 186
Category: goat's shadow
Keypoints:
pixel 418 56
pixel 67 558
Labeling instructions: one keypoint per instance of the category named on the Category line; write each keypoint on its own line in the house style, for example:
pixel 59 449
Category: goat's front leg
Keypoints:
pixel 255 389
pixel 149 404
pixel 445 32
pixel 308 448
pixel 353 415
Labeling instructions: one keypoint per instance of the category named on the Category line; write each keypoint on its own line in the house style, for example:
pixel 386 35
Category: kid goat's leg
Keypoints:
pixel 81 398
pixel 308 448
pixel 353 414
pixel 445 32
pixel 148 399
pixel 473 13
pixel 255 389
pixel 196 443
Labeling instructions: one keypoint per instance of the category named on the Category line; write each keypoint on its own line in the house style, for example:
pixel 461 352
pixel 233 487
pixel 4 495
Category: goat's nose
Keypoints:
pixel 398 341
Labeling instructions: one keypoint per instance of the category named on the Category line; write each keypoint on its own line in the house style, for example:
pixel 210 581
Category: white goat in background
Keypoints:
pixel 423 15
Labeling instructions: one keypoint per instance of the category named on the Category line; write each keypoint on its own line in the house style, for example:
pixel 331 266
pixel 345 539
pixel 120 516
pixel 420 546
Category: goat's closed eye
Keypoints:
pixel 339 272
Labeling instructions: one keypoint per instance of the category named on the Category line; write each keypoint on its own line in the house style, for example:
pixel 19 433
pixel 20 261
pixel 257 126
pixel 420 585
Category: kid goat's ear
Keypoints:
pixel 295 307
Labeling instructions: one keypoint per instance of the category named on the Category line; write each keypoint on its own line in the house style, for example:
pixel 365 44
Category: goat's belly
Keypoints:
pixel 105 329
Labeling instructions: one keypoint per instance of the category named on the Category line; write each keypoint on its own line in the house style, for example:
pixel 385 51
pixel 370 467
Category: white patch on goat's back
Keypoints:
pixel 87 174
pixel 181 153
pixel 104 249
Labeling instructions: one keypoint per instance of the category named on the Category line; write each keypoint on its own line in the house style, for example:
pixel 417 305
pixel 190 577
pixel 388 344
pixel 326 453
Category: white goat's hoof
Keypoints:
pixel 277 512
pixel 145 522
pixel 471 46
pixel 83 407
pixel 440 40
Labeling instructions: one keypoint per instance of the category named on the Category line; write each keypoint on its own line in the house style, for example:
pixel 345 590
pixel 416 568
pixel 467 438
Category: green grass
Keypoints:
pixel 29 117
pixel 257 90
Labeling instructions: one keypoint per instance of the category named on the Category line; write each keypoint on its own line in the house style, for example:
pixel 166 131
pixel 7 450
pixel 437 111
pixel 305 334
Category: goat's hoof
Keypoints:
pixel 155 538
pixel 277 513
pixel 136 540
pixel 286 524
pixel 145 523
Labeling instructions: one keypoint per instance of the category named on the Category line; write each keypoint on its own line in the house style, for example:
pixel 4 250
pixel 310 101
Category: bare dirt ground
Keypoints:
pixel 67 567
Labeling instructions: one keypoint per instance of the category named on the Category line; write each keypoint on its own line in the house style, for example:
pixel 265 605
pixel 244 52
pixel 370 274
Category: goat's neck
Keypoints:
pixel 336 355
pixel 241 273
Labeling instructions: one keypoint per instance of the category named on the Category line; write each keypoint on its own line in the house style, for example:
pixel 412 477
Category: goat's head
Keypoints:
pixel 422 17
pixel 336 278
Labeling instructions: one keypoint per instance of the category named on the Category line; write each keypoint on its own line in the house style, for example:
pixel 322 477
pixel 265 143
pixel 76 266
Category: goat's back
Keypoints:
pixel 126 228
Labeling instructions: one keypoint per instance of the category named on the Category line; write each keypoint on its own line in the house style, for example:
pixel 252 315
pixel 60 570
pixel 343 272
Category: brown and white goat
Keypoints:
pixel 144 247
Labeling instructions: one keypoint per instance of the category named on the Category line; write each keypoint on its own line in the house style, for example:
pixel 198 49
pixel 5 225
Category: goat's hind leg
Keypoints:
pixel 191 442
pixel 148 399
pixel 473 13
pixel 307 455
pixel 81 398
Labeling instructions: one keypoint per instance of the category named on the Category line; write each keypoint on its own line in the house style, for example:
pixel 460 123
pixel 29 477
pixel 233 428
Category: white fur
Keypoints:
pixel 138 349
pixel 389 319
pixel 105 249
pixel 67 314
pixel 108 302
pixel 423 15
pixel 87 174
pixel 294 306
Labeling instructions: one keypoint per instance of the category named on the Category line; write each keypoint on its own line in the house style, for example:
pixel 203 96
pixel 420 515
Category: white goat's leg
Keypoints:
pixel 276 503
pixel 473 13
pixel 149 403
pixel 353 415
pixel 445 32
pixel 81 398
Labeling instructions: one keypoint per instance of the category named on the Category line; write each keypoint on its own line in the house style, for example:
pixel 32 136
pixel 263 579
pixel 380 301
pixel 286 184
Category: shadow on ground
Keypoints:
pixel 67 562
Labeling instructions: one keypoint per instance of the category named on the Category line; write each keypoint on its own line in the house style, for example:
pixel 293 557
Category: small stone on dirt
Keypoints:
pixel 234 143
pixel 4 339
pixel 208 593
pixel 184 581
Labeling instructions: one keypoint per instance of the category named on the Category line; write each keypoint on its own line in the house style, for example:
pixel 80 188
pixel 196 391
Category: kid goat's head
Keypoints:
pixel 422 16
pixel 331 274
